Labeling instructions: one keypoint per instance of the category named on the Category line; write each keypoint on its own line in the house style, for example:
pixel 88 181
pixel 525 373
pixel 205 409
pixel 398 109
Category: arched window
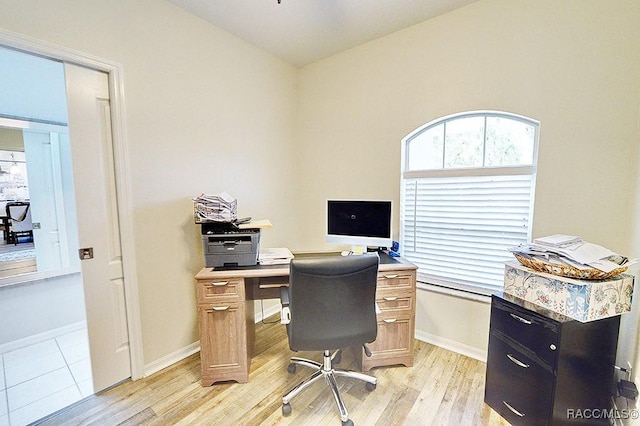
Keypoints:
pixel 467 196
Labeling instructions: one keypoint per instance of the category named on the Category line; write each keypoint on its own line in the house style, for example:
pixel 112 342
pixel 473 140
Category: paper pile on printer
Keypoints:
pixel 573 251
pixel 215 208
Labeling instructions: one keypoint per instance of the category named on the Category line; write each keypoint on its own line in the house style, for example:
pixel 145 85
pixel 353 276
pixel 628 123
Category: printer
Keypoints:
pixel 224 244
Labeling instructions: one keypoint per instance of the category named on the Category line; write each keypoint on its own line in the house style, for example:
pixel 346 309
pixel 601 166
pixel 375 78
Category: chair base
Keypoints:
pixel 329 373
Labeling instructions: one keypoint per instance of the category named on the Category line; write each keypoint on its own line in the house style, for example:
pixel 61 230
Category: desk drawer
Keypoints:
pixel 394 336
pixel 210 290
pixel 394 300
pixel 518 387
pixel 396 280
pixel 527 328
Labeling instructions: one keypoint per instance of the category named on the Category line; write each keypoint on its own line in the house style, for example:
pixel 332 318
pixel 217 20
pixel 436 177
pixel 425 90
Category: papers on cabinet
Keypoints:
pixel 573 251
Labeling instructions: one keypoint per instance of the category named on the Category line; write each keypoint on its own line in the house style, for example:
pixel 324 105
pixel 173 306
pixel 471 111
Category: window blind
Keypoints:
pixel 457 229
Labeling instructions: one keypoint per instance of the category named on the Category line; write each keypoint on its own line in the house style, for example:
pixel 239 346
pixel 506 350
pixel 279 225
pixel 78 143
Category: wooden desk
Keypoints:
pixel 227 324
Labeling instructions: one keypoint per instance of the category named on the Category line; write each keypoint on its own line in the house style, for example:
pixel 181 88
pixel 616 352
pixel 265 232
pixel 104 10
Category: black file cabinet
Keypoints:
pixel 547 369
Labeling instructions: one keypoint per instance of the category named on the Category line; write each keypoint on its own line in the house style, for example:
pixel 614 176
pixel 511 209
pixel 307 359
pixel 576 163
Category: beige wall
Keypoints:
pixel 207 112
pixel 11 140
pixel 573 65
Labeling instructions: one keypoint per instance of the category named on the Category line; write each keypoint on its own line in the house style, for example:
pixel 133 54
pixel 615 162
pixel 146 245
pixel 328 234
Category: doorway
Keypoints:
pixel 115 179
pixel 44 345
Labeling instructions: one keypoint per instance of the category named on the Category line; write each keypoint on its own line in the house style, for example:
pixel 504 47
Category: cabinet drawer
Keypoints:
pixel 394 300
pixel 222 331
pixel 395 280
pixel 394 335
pixel 535 332
pixel 517 387
pixel 210 290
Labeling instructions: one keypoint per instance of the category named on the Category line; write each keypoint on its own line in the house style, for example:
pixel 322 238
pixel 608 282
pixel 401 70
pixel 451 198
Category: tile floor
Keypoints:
pixel 45 377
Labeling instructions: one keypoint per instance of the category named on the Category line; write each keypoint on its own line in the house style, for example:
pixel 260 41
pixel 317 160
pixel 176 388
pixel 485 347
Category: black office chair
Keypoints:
pixel 329 305
pixel 19 218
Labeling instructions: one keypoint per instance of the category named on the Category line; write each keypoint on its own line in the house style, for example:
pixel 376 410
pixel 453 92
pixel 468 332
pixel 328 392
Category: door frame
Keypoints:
pixel 121 171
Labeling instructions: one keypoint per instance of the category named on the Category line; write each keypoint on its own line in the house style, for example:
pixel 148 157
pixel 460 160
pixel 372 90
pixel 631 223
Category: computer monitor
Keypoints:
pixel 360 223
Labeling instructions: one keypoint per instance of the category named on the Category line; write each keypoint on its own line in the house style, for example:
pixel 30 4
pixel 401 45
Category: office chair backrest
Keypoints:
pixel 20 215
pixel 332 302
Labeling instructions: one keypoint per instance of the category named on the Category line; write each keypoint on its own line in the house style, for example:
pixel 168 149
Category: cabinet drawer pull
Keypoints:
pixel 219 283
pixel 220 308
pixel 517 362
pixel 389 321
pixel 526 321
pixel 390 299
pixel 516 412
pixel 390 276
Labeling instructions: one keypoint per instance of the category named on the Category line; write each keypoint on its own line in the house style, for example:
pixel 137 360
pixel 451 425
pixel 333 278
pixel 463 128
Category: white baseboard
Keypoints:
pixel 41 337
pixel 266 313
pixel 171 359
pixel 452 345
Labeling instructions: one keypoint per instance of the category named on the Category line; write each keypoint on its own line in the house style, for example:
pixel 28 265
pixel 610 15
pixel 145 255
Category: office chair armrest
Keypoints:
pixel 284 296
pixel 285 313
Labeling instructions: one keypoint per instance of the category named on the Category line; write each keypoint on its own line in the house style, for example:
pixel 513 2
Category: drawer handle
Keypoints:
pixel 220 283
pixel 519 318
pixel 390 276
pixel 516 412
pixel 517 362
pixel 389 321
pixel 267 286
pixel 220 308
pixel 390 299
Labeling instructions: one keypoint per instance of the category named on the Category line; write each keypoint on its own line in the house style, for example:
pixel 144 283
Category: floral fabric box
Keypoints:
pixel 579 299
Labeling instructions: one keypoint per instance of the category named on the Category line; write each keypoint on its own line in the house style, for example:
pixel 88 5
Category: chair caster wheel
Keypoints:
pixel 286 409
pixel 348 423
pixel 370 386
pixel 292 370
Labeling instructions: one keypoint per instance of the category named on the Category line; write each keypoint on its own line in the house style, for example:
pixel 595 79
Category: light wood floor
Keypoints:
pixel 442 388
pixel 16 267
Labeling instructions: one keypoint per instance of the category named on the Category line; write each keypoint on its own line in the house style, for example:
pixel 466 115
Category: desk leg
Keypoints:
pixel 250 324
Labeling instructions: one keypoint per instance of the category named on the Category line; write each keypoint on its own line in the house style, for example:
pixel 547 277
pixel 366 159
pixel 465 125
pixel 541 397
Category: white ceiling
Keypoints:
pixel 305 31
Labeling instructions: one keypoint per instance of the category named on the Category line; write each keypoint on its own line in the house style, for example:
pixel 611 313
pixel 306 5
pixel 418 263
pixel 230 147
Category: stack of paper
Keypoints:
pixel 572 251
pixel 558 240
pixel 217 208
pixel 275 256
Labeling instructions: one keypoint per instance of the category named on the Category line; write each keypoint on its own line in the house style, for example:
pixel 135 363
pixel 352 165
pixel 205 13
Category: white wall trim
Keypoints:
pixel 123 187
pixel 172 358
pixel 453 292
pixel 193 348
pixel 266 313
pixel 451 345
pixel 41 337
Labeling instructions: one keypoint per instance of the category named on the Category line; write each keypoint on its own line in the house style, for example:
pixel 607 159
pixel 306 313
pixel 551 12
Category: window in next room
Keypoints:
pixel 467 196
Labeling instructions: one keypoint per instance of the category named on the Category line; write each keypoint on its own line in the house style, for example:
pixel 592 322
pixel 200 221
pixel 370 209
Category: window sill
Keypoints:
pixel 453 292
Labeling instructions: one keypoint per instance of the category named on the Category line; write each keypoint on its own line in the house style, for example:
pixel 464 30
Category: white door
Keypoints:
pixel 42 150
pixel 98 228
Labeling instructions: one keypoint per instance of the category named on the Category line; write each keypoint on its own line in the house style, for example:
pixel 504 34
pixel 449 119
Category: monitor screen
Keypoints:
pixel 359 222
